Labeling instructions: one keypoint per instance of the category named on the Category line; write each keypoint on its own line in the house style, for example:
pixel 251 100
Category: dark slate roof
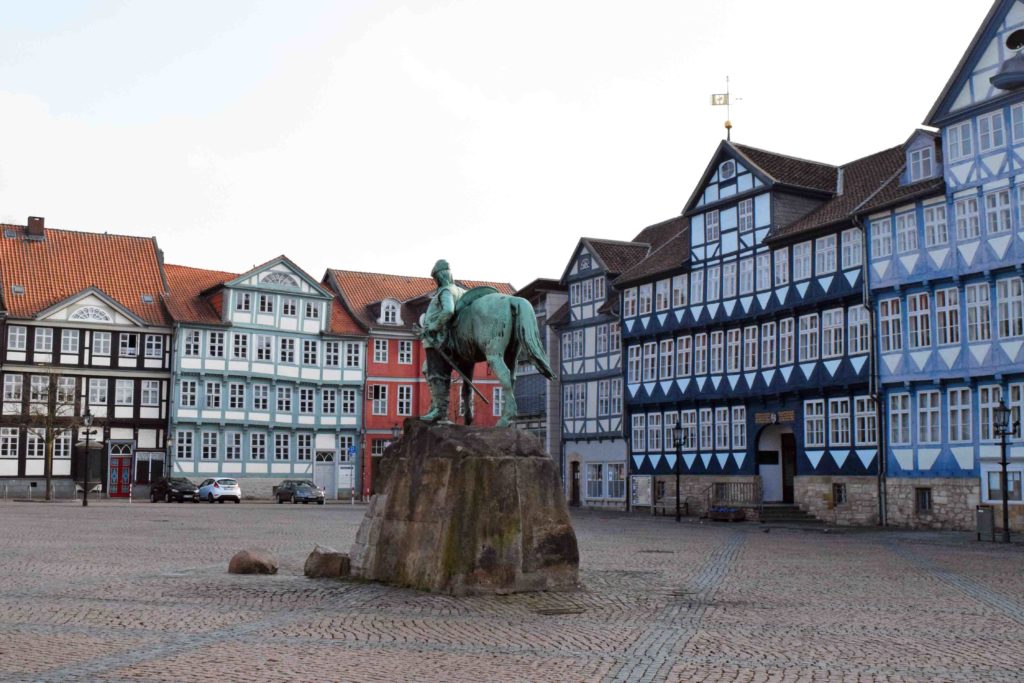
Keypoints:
pixel 894 193
pixel 659 233
pixel 560 316
pixel 618 256
pixel 541 284
pixel 861 180
pixel 669 256
pixel 787 170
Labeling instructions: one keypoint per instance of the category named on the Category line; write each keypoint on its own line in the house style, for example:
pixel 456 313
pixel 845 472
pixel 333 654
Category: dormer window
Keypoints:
pixel 726 170
pixel 922 164
pixel 389 313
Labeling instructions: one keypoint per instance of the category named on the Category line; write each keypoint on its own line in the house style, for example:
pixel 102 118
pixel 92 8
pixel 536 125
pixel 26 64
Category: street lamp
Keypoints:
pixel 396 432
pixel 677 433
pixel 1003 427
pixel 87 422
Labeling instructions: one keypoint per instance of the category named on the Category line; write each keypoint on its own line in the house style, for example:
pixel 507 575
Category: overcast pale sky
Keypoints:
pixel 383 135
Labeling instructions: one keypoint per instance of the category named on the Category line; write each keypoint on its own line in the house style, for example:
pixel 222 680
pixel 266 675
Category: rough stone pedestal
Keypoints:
pixel 467 510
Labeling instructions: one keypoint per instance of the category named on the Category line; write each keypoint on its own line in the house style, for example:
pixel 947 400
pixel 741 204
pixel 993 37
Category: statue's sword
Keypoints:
pixel 449 361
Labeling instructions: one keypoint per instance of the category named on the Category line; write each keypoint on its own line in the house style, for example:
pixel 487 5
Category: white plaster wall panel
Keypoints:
pixel 288 323
pixel 310 373
pixel 122 433
pixel 186 466
pixel 325 441
pixel 287 371
pixel 35 467
pixel 62 467
pixel 147 438
pixel 231 468
pixel 191 363
pixel 278 468
pixel 208 467
pixel 215 364
pixel 255 468
pixel 9 467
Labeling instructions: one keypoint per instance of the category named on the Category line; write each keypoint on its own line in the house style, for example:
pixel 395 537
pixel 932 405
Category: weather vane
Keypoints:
pixel 720 99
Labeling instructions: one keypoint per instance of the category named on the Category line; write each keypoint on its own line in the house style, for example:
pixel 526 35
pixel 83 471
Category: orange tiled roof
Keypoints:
pixel 341 321
pixel 362 290
pixel 66 262
pixel 186 284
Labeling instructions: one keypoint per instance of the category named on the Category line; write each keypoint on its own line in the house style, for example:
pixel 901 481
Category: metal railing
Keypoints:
pixel 746 494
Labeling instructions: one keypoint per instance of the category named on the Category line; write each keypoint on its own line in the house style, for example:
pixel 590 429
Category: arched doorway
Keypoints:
pixel 119 459
pixel 776 463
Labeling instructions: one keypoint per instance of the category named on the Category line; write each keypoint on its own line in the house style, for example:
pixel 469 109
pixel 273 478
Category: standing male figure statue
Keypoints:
pixel 436 330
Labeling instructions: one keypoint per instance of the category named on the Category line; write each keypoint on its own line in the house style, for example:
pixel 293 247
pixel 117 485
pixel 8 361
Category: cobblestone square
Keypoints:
pixel 140 592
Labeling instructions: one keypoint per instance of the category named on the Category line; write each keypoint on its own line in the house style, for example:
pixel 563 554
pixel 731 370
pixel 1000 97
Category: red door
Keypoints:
pixel 119 485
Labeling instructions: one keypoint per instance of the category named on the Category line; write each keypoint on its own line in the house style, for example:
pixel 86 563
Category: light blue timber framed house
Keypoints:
pixel 267 379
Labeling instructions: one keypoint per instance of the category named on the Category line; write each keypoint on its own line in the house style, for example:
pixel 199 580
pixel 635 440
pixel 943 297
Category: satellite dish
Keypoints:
pixel 1015 40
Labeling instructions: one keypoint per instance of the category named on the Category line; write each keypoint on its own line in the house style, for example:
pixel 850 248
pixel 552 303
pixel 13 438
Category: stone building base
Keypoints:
pixel 953 503
pixel 817 495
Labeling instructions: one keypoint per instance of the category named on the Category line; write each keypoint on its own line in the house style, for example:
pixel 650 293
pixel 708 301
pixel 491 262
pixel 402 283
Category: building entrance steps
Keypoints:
pixel 787 513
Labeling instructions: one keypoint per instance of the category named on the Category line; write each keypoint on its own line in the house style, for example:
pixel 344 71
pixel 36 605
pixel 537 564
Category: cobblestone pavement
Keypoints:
pixel 140 592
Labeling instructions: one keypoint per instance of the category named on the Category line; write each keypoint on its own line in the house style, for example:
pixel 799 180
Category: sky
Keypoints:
pixel 381 136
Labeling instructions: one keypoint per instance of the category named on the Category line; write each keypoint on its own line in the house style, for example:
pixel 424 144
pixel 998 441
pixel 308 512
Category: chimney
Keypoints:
pixel 35 227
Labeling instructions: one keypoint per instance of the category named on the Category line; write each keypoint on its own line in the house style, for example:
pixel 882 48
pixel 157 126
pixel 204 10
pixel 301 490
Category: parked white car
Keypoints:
pixel 220 488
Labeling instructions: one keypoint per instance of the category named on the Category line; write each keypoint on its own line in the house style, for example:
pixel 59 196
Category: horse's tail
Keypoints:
pixel 528 336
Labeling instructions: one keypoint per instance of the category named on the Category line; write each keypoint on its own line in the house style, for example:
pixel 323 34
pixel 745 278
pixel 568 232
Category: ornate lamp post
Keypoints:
pixel 87 423
pixel 677 434
pixel 1003 427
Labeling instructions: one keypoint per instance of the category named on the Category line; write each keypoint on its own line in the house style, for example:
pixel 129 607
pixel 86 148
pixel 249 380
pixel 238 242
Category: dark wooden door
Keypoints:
pixel 574 484
pixel 788 466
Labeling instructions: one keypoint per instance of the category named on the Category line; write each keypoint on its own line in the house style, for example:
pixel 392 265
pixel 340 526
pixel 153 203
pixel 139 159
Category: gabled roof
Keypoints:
pixel 64 263
pixel 282 259
pixel 186 301
pixel 361 293
pixel 669 256
pixel 659 233
pixel 541 284
pixel 618 256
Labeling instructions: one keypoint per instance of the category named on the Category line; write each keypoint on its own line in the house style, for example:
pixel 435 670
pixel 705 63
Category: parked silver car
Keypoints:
pixel 220 488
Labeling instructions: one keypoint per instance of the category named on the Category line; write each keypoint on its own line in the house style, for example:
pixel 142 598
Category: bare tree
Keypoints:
pixel 51 411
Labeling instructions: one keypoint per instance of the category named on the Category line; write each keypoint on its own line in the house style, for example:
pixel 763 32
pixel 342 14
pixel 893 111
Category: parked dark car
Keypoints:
pixel 299 491
pixel 173 488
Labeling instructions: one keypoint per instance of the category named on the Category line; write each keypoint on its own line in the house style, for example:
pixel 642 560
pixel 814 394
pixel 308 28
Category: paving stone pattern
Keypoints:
pixel 140 592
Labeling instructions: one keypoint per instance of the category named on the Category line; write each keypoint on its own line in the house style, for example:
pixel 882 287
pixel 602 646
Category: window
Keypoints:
pixel 187 391
pixel 746 276
pixel 667 352
pixel 809 337
pixel 603 403
pixel 881 238
pixel 616 480
pixel 8 442
pixel 404 352
pixel 650 362
pixel 304 447
pixel 209 446
pixel 307 401
pixel 288 307
pixel 329 401
pixel 706 428
pixel 995 487
pixel 721 429
pixel 266 303
pixel 979 312
pixel 661 294
pixel 287 350
pixel 257 446
pixel 716 352
pixel 1011 307
pixel 379 396
pixel 599 289
pixel 69 341
pixel 378 446
pixel 595 480
pixel 13 387
pixel 921 164
pixel 728 280
pixel 918 321
pixel 782 266
pixel 284 399
pixel 988 401
pixel 746 215
pixel 1017 114
pixel 183 445
pixel 240 346
pixel 66 390
pixel 17 336
pixel 35 445
pixel 688 420
pixel 814 423
pixel 332 353
pixel 684 356
pixel 62 444
pixel 832 333
pixel 654 432
pixel 714 283
pixel 213 394
pixel 634 364
pixel 101 343
pixel 947 316
pixel 1016 404
pixel 577 344
pixel 997 212
pixel 732 348
pixel 967 227
pixel 629 303
pixel 154 345
pixel 959 402
pixel 44 340
pixel 928 417
pixel 260 397
pixel 645 299
pixel 825 254
pixel 697 287
pixel 215 344
pixel 568 402
pixel 700 354
pixel 602 339
pixel 236 396
pixel 669 424
pixel 859 331
pixel 380 350
pixel 38 390
pixel 404 404
pixel 906 233
pixel 98 391
pixel 264 347
pixel 282 446
pixel 711 226
pixel 567 346
pixel 935 232
pixel 786 341
pixel 588 290
pixel 768 345
pixel 193 342
pixel 310 352
pixel 312 310
pixel 348 401
pixel 959 140
pixel 232 446
pixel 891 325
pixel 899 419
pixel 750 347
pixel 764 271
pixel 639 433
pixel 990 131
pixel 739 428
pixel 867 421
pixel 680 284
pixel 353 355
pixel 922 500
pixel 243 301
pixel 574 294
pixel 839 422
pixel 802 261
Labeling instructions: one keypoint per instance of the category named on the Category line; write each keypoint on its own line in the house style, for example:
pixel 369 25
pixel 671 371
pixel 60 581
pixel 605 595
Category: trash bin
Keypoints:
pixel 985 520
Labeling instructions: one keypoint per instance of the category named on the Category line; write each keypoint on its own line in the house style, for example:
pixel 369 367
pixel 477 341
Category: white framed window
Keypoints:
pixel 260 397
pixel 825 254
pixel 928 422
pixel 232 446
pixel 906 233
pixel 574 294
pixel 684 356
pixel 745 213
pixel 639 433
pixel 899 419
pixel 282 446
pixel 266 303
pixel 264 347
pixel 69 341
pixel 13 387
pixel 183 445
pixel 312 310
pixel 243 301
pixel 286 350
pixel 891 324
pixel 689 424
pixel 240 346
pixel 661 295
pixel 919 326
pixel 304 447
pixel 697 287
pixel 404 351
pixel 739 428
pixel 714 283
pixel 781 257
pixel 959 408
pixel 616 480
pixel 809 337
pixel 706 428
pixel 44 340
pixel 209 446
pixel 213 394
pixel 959 143
pixel 644 295
pixel 936 234
pixel 990 131
pixel 867 421
pixel 257 446
pixel 1016 405
pixel 967 225
pixel 332 353
pixel 98 391
pixel 284 399
pixel 567 346
pixel 921 164
pixel 310 352
pixel 603 402
pixel 101 343
pixel 187 392
pixel 404 400
pixel 717 351
pixel 236 396
pixel 733 338
pixel 988 401
pixel 667 352
pixel 997 212
pixel 379 397
pixel 729 280
pixel 947 316
pixel 595 480
pixel 839 422
pixel 154 345
pixel 1010 309
pixel 881 238
pixel 746 275
pixel 599 288
pixel 768 345
pixel 786 328
pixel 979 312
pixel 634 363
pixel 1017 121
pixel 66 390
pixel 289 307
pixel 193 343
pixel 650 361
pixel 380 350
pixel 35 445
pixel 587 291
pixel 852 248
pixel 329 401
pixel 215 344
pixel 38 388
pixel 17 338
pixel 601 335
pixel 750 347
pixel 654 432
pixel 711 226
pixel 722 429
pixel 669 423
pixel 9 442
pixel 801 261
pixel 616 392
pixel 764 271
pixel 832 333
pixel 629 303
pixel 680 290
pixel 700 354
pixel 307 401
pixel 348 401
pixel 814 423
pixel 994 479
pixel 858 330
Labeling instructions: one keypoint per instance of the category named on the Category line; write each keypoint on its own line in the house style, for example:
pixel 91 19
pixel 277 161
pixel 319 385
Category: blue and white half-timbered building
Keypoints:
pixel 268 373
pixel 756 340
pixel 947 261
